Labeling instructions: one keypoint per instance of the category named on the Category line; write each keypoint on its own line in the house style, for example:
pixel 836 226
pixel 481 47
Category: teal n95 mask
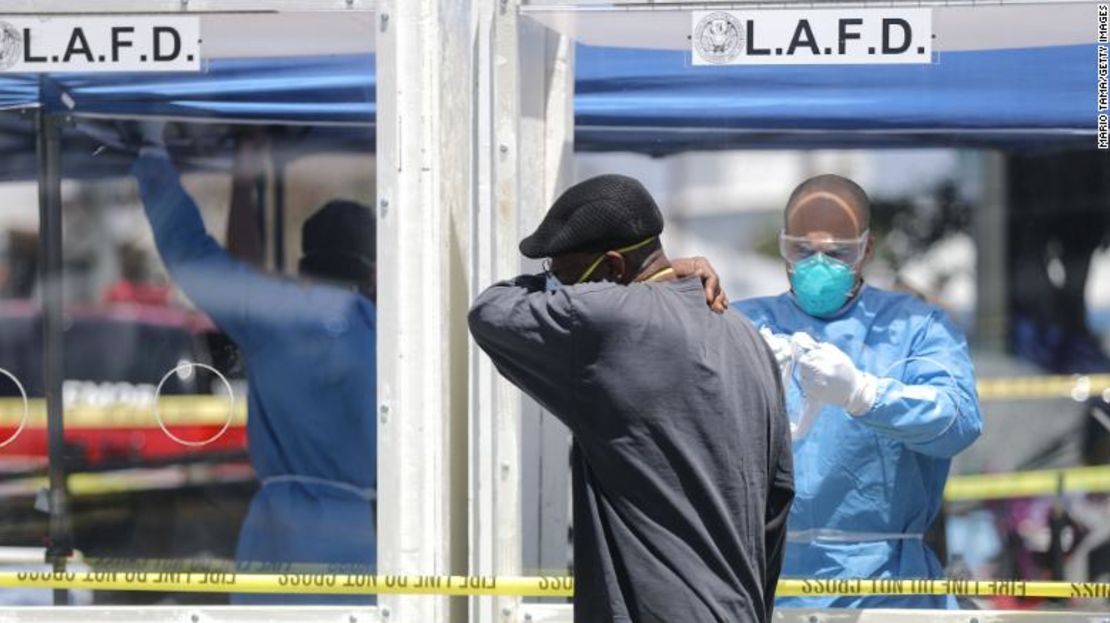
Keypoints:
pixel 821 284
pixel 822 272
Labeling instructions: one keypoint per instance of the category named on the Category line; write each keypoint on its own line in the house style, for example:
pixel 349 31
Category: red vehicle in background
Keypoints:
pixel 152 472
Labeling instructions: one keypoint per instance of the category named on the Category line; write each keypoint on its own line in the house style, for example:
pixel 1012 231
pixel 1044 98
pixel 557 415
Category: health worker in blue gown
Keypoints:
pixel 309 346
pixel 881 395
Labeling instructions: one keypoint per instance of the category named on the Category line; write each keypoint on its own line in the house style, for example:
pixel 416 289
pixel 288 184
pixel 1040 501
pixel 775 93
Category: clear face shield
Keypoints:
pixel 796 249
pixel 822 270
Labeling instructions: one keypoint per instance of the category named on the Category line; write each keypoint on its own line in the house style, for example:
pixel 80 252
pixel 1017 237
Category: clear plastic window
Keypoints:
pixel 989 203
pixel 217 320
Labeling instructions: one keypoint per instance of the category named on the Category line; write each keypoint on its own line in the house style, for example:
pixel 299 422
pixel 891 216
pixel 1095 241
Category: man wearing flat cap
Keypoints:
pixel 682 475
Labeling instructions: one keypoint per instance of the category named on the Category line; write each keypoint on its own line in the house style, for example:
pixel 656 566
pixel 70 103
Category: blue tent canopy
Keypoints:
pixel 18 91
pixel 330 97
pixel 655 101
pixel 319 90
pixel 649 101
pixel 337 89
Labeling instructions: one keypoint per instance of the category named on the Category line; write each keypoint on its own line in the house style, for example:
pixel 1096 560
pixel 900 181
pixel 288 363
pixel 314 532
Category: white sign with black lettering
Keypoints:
pixel 817 37
pixel 31 44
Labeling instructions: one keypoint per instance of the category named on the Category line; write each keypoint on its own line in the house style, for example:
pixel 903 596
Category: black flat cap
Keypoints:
pixel 600 214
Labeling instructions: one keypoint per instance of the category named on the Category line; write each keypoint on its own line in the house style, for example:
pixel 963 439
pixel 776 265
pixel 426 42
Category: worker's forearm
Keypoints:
pixel 937 421
pixel 174 217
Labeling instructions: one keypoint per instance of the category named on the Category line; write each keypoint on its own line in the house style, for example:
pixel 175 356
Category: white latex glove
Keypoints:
pixel 803 343
pixel 780 347
pixel 828 376
pixel 800 344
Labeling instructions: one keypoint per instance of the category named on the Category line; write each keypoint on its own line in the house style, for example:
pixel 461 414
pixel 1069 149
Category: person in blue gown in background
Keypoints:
pixel 309 347
pixel 881 395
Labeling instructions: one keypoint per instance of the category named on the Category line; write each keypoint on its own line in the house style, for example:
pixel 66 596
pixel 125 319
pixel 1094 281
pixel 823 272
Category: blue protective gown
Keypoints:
pixel 868 487
pixel 310 354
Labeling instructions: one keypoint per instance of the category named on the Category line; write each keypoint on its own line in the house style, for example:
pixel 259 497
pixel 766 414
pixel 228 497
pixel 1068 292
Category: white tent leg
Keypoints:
pixel 495 404
pixel 525 125
pixel 547 131
pixel 425 144
pixel 460 175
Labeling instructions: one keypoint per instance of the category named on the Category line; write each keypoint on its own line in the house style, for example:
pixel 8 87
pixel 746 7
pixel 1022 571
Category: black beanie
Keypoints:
pixel 339 241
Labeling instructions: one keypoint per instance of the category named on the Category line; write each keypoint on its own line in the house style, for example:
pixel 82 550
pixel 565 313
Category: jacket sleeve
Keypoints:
pixel 250 306
pixel 780 497
pixel 529 334
pixel 933 407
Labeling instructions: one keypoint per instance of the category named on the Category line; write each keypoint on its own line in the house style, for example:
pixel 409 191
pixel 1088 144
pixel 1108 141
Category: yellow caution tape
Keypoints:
pixel 969 588
pixel 175 411
pixel 1028 484
pixel 1075 386
pixel 213 410
pixel 965 488
pixel 139 479
pixel 332 584
pixel 552 586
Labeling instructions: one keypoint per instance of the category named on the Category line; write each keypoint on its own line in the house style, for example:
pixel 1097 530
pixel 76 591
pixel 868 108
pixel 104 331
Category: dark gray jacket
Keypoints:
pixel 682 460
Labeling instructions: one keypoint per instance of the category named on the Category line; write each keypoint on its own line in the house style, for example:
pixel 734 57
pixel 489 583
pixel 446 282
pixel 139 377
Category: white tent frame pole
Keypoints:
pixel 495 404
pixel 547 118
pixel 523 157
pixel 425 143
pixel 547 146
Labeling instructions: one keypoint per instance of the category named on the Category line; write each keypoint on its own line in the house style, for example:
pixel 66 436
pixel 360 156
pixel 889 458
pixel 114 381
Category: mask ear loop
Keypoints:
pixel 591 269
pixel 622 250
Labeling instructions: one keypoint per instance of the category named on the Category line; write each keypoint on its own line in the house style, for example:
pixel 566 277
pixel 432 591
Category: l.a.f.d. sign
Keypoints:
pixel 817 37
pixel 30 44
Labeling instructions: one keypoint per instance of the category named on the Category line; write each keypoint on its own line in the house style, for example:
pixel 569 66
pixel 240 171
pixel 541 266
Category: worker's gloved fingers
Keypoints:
pixel 803 341
pixel 833 361
pixel 811 377
pixel 773 340
pixel 831 352
pixel 813 365
pixel 824 377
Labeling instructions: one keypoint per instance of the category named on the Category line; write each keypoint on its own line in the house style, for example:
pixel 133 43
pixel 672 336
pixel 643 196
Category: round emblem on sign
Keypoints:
pixel 11 45
pixel 718 37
